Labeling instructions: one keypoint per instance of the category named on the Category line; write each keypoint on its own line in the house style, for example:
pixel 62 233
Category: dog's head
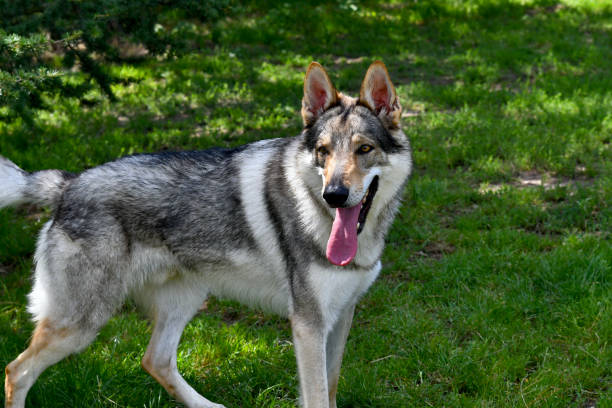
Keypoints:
pixel 350 140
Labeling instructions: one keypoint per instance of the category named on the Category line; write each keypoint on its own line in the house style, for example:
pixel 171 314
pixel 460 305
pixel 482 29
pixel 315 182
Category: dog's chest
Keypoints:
pixel 252 280
pixel 336 288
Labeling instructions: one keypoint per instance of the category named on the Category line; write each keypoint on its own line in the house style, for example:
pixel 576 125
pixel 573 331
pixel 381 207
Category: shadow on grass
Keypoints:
pixel 492 89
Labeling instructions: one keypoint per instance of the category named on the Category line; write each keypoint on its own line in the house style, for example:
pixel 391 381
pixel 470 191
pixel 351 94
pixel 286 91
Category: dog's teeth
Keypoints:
pixel 365 196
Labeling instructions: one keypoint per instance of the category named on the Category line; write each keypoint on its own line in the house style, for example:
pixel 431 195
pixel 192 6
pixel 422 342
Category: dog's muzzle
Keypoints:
pixel 335 195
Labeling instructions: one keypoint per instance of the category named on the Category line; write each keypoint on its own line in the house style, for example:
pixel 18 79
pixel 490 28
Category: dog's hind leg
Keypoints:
pixel 171 306
pixel 50 343
pixel 72 298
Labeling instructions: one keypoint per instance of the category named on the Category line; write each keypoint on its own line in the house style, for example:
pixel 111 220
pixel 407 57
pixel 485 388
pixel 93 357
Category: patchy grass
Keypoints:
pixel 496 289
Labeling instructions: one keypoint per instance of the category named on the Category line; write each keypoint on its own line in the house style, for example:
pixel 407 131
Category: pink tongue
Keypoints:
pixel 342 244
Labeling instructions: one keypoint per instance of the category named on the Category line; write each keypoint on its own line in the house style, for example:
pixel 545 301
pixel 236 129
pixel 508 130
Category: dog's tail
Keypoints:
pixel 19 187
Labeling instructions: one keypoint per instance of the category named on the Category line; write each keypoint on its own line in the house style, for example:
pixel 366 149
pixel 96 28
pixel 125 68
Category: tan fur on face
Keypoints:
pixel 358 164
pixel 353 174
pixel 351 165
pixel 330 166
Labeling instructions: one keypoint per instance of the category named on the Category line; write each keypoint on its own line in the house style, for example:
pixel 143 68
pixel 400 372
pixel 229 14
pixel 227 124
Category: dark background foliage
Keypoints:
pixel 40 40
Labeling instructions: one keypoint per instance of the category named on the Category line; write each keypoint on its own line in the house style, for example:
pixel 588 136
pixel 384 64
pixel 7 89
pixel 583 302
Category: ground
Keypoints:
pixel 496 288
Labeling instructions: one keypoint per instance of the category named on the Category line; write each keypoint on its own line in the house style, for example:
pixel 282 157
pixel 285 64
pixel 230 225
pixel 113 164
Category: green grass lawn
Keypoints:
pixel 497 282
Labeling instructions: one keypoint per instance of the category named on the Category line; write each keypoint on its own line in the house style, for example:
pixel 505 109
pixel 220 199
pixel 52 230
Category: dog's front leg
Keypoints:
pixel 336 341
pixel 309 340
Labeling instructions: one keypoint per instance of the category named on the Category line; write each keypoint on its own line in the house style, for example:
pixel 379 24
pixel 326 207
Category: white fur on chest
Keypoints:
pixel 251 279
pixel 336 288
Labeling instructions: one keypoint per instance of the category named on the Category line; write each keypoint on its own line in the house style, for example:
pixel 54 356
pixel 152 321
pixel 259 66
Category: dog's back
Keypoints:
pixel 189 202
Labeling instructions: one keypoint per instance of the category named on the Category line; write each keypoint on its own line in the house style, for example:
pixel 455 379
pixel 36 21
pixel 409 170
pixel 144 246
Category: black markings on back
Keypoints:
pixel 189 202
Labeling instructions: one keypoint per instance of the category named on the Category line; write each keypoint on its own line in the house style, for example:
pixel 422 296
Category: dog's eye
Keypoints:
pixel 322 150
pixel 365 149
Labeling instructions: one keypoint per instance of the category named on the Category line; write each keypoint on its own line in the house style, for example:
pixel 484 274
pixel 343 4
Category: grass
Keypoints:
pixel 496 289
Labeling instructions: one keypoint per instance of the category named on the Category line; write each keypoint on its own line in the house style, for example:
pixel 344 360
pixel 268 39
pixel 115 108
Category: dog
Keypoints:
pixel 295 226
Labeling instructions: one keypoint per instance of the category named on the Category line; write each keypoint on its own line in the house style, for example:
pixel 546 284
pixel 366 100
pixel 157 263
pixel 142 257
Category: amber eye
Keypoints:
pixel 365 149
pixel 322 150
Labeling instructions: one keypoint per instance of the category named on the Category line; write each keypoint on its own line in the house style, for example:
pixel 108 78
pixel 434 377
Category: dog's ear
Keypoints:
pixel 378 94
pixel 319 93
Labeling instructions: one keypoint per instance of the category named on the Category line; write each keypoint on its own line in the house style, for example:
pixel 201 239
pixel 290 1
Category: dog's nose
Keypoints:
pixel 335 195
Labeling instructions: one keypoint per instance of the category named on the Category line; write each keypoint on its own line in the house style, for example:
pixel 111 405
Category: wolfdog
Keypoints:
pixel 293 225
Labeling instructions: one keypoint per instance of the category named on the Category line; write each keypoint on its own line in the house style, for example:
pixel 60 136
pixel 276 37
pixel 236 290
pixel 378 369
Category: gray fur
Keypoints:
pixel 353 119
pixel 298 248
pixel 169 229
pixel 182 201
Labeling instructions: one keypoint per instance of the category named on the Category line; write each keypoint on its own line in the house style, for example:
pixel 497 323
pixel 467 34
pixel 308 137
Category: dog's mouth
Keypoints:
pixel 366 204
pixel 349 222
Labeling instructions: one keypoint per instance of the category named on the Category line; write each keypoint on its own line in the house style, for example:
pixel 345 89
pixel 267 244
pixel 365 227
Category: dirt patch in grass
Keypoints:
pixel 339 61
pixel 590 404
pixel 407 113
pixel 532 178
pixel 554 8
pixel 436 250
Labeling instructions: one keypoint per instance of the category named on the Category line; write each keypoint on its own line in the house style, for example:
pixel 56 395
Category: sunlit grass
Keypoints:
pixel 496 292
